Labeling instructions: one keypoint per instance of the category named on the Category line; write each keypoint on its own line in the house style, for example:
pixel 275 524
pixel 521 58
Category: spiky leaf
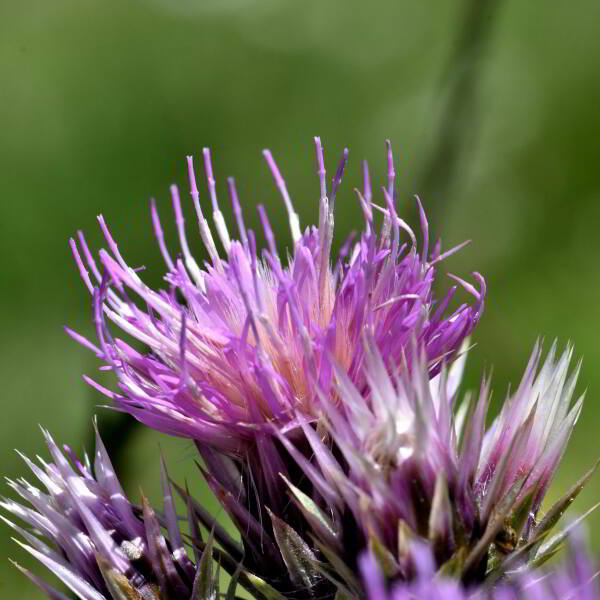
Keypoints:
pixel 297 556
pixel 204 583
pixel 496 521
pixel 453 567
pixel 385 558
pixel 553 545
pixel 440 517
pixel 341 569
pixel 267 591
pixel 313 514
pixel 560 506
pixel 118 585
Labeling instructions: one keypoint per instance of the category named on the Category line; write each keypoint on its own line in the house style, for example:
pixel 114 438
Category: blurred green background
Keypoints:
pixel 492 108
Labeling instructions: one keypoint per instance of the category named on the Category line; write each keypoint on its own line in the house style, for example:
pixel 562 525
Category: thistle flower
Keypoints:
pixel 244 342
pixel 326 384
pixel 102 546
pixel 254 342
pixel 575 578
pixel 395 464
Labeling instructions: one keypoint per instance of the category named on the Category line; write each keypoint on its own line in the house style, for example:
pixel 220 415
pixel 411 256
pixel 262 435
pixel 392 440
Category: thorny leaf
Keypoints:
pixel 204 583
pixel 560 506
pixel 297 556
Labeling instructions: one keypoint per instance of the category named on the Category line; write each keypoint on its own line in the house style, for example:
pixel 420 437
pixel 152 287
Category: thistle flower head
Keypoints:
pixel 249 339
pixel 321 396
pixel 397 462
pixel 99 544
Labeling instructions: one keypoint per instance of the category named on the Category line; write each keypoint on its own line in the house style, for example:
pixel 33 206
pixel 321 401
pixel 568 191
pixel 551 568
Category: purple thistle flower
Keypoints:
pixel 321 397
pixel 250 353
pixel 101 546
pixel 254 340
pixel 575 578
pixel 395 463
pixel 326 384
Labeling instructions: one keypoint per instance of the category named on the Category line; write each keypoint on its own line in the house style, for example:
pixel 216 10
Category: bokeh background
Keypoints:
pixel 492 107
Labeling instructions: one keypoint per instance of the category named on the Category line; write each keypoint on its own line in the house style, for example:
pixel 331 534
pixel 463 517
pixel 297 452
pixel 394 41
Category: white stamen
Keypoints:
pixel 217 214
pixel 222 230
pixel 293 218
pixel 190 262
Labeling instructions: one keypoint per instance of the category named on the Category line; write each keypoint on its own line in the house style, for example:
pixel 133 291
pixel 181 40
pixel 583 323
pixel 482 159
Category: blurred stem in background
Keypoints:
pixel 457 128
pixel 459 107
